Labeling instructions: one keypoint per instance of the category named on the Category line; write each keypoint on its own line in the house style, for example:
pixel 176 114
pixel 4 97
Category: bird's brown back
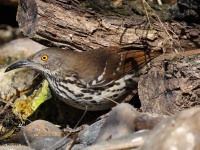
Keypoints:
pixel 114 62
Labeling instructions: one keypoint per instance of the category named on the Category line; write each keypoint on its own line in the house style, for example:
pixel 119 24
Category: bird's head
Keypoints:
pixel 47 61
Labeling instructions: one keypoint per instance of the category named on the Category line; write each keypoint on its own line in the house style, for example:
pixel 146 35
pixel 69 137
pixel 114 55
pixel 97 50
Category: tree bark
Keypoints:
pixel 171 84
pixel 64 23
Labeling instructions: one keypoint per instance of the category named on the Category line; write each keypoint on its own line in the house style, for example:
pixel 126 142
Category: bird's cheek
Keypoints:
pixel 57 64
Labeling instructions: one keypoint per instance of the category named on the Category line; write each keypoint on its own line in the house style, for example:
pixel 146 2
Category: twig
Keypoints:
pixel 111 100
pixel 144 1
pixel 8 104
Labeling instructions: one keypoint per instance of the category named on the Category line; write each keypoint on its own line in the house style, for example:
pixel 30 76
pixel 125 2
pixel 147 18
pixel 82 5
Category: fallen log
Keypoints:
pixel 66 24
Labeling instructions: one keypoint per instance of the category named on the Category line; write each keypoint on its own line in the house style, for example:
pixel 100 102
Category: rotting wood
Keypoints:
pixel 171 84
pixel 63 23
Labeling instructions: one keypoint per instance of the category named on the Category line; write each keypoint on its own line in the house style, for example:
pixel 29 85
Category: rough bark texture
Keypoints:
pixel 171 85
pixel 63 23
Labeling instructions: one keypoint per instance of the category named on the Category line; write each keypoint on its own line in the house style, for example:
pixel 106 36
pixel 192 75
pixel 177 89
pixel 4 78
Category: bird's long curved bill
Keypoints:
pixel 18 64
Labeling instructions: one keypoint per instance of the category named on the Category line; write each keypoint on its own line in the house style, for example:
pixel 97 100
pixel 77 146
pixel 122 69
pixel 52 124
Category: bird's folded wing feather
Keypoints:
pixel 103 66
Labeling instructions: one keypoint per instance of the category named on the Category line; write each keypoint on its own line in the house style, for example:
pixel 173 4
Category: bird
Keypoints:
pixel 92 80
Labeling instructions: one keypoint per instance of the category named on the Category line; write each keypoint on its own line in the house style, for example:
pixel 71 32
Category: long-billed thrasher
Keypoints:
pixel 91 79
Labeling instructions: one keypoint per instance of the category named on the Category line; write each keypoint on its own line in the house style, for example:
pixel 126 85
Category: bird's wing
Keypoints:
pixel 105 65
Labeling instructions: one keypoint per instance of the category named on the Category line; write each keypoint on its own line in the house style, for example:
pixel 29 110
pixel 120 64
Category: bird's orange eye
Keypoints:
pixel 44 57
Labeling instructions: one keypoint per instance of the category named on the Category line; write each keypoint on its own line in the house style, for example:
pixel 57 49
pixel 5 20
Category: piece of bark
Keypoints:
pixel 63 23
pixel 171 84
